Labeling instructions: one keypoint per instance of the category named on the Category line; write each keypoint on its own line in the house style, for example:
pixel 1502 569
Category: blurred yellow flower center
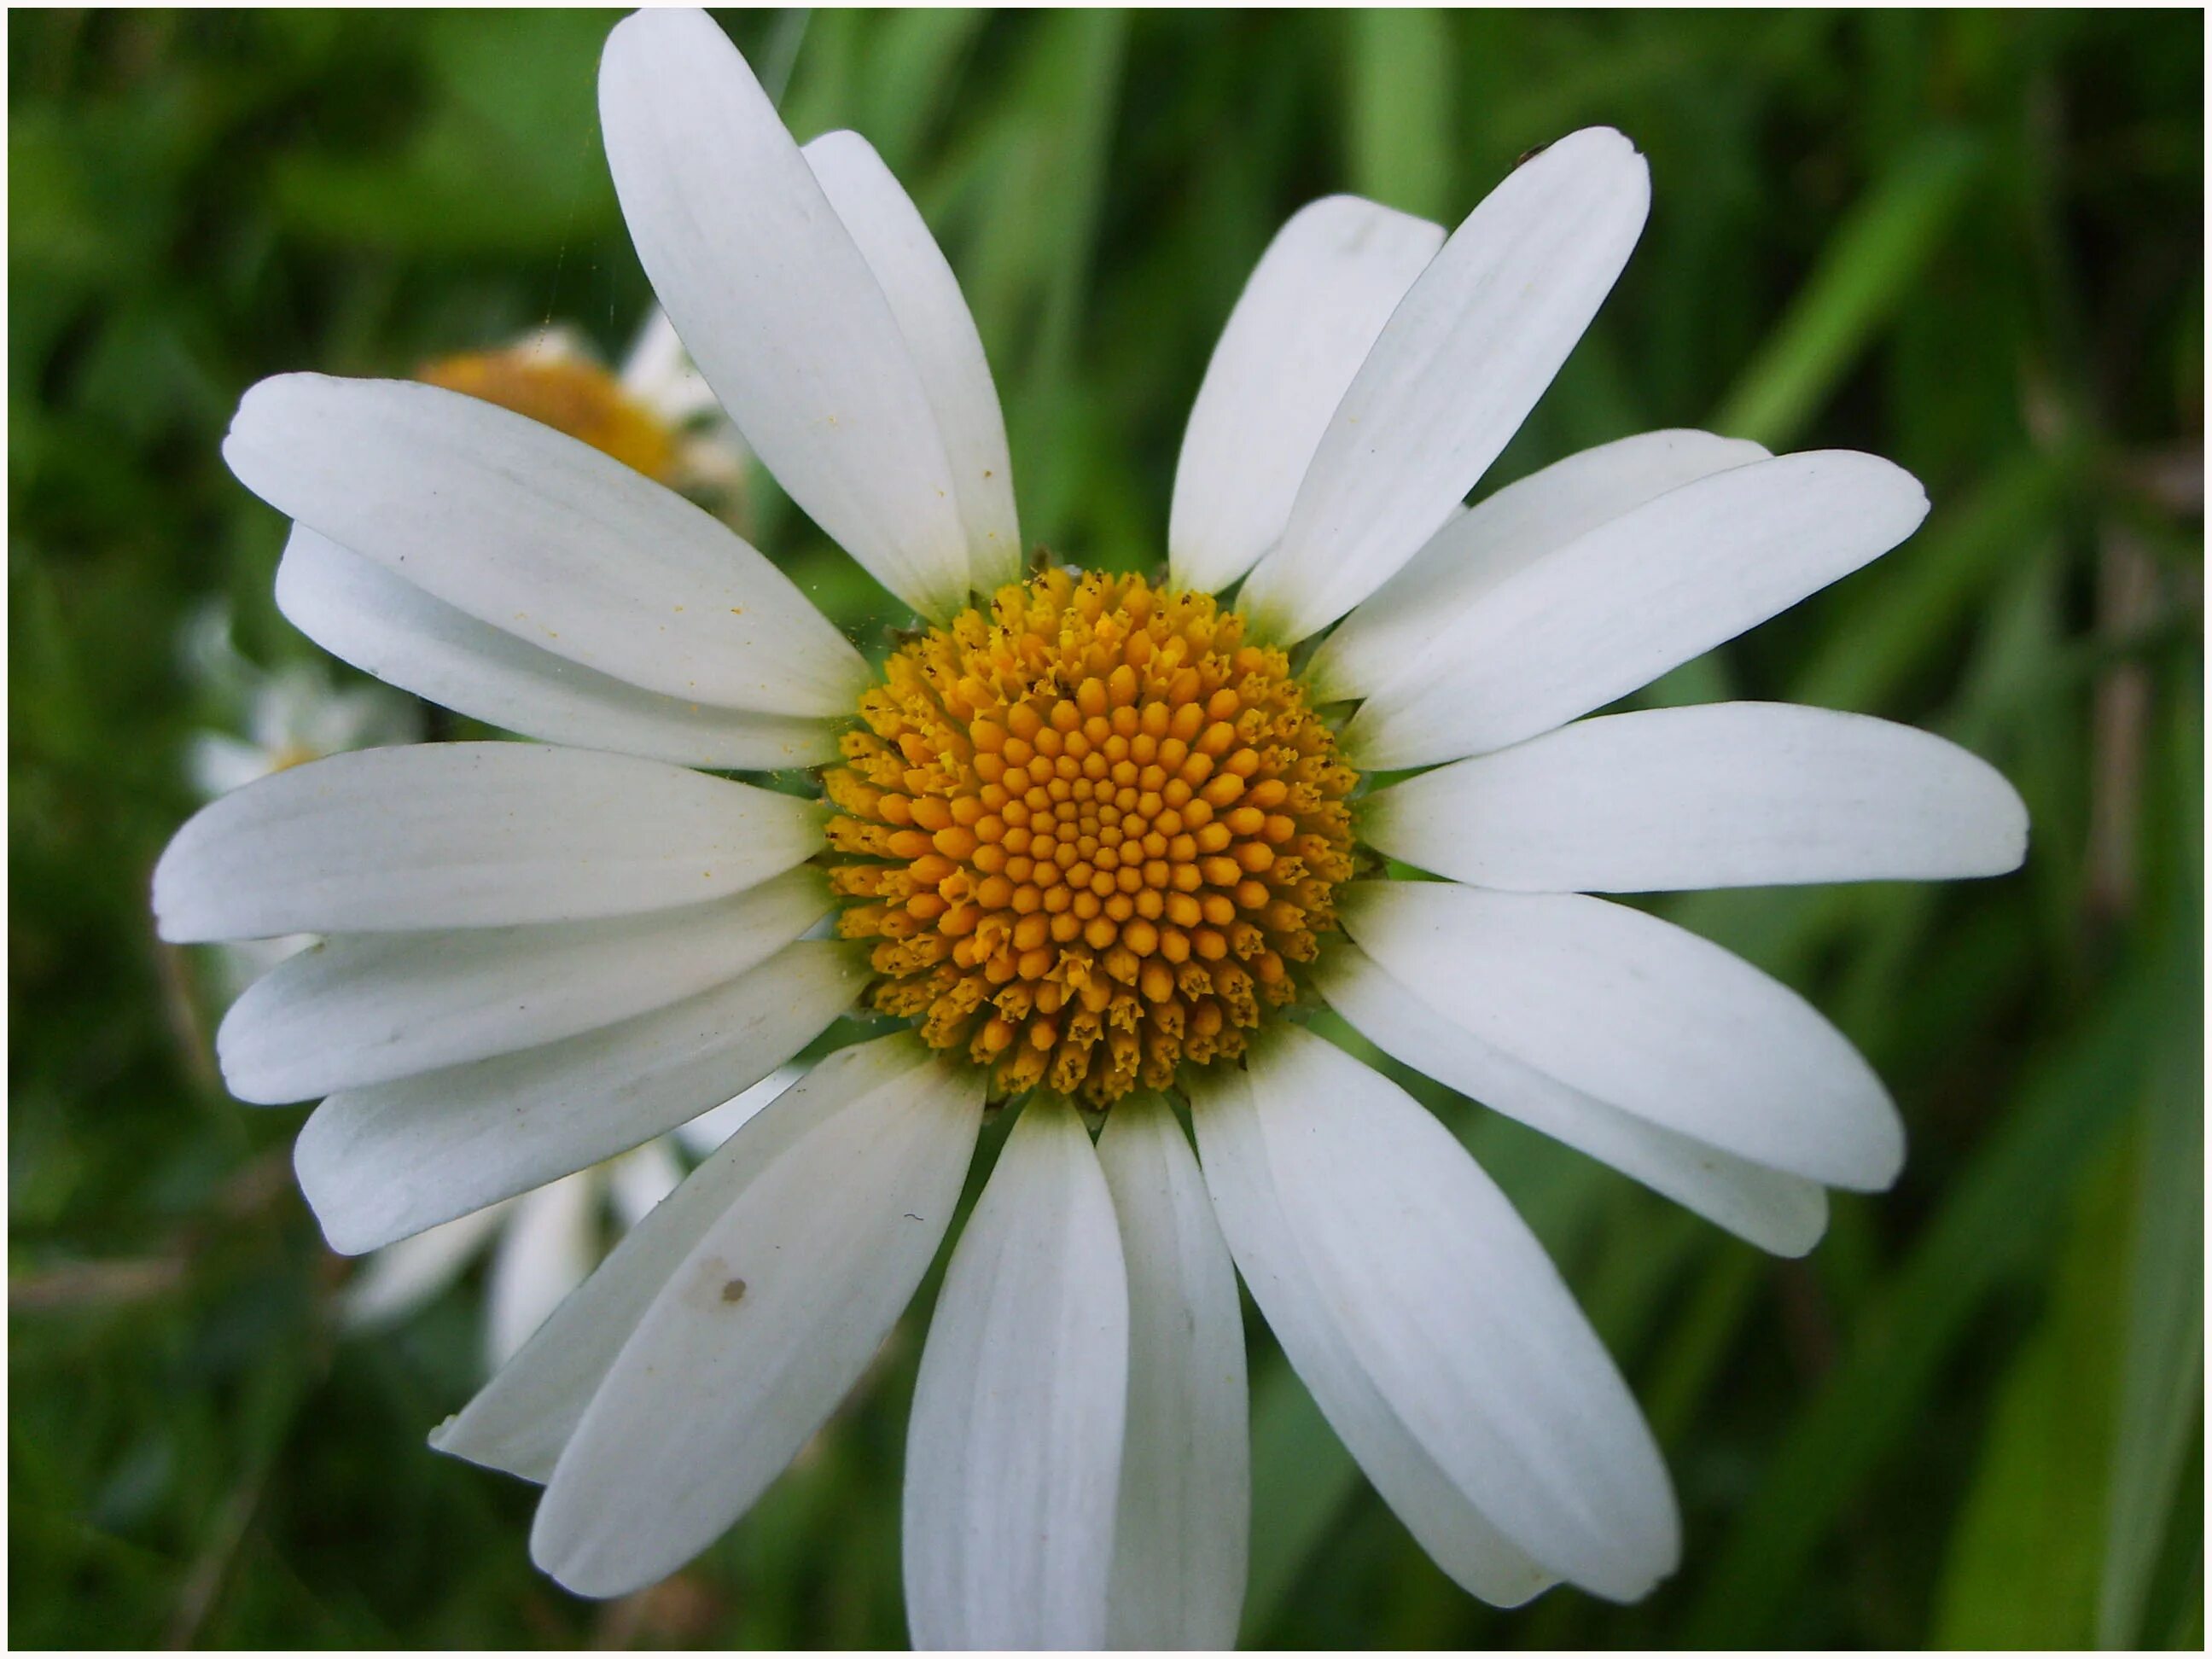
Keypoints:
pixel 1094 831
pixel 570 395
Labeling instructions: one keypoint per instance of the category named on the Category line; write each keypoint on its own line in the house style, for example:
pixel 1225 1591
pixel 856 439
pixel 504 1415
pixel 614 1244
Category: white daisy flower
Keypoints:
pixel 1103 840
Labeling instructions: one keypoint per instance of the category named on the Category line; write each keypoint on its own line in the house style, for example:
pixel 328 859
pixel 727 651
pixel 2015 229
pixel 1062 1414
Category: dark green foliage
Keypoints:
pixel 1970 242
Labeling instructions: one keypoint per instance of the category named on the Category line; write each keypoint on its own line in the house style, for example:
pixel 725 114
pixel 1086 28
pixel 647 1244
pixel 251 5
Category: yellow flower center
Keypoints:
pixel 569 395
pixel 1094 832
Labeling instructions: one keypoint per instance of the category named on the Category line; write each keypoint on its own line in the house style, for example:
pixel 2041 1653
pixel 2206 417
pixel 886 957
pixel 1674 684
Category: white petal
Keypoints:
pixel 1457 368
pixel 642 1177
pixel 357 609
pixel 704 1133
pixel 520 1419
pixel 1733 795
pixel 1642 1015
pixel 547 1250
pixel 1390 631
pixel 1378 1248
pixel 1426 1496
pixel 933 319
pixel 1425 1022
pixel 1013 1453
pixel 379 1163
pixel 394 1281
pixel 372 1007
pixel 542 536
pixel 1620 605
pixel 777 304
pixel 763 1327
pixel 470 835
pixel 1308 316
pixel 1183 1530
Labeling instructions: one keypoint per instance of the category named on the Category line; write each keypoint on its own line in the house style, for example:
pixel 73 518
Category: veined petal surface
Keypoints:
pixel 383 624
pixel 520 1419
pixel 1387 634
pixel 372 1007
pixel 1642 1015
pixel 1435 1334
pixel 1417 1023
pixel 778 304
pixel 1013 1453
pixel 1735 794
pixel 542 536
pixel 766 1321
pixel 1621 604
pixel 470 835
pixel 1308 316
pixel 379 1163
pixel 926 299
pixel 1457 370
pixel 1182 1540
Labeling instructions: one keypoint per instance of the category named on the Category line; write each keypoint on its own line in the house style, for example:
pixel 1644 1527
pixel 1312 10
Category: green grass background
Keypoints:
pixel 1973 243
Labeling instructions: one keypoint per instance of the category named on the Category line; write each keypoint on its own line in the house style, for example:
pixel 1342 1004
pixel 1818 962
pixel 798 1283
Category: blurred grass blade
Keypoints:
pixel 911 75
pixel 2038 1492
pixel 1399 114
pixel 1301 1477
pixel 1041 205
pixel 1997 1213
pixel 1865 271
pixel 781 55
pixel 2163 1356
pixel 2162 1361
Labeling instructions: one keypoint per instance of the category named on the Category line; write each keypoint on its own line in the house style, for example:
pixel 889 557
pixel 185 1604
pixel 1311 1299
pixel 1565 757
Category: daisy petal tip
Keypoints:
pixel 582 1570
pixel 268 411
pixel 180 889
pixel 1645 1553
pixel 2008 826
pixel 1793 1237
pixel 242 1074
pixel 651 29
pixel 1606 149
pixel 349 1227
pixel 1874 1165
pixel 1886 493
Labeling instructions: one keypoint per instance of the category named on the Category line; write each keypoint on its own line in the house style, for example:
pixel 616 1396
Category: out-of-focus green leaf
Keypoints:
pixel 2038 1490
pixel 1399 105
pixel 505 159
pixel 1041 200
pixel 1301 1477
pixel 2162 1389
pixel 1866 271
pixel 911 76
pixel 2162 1358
